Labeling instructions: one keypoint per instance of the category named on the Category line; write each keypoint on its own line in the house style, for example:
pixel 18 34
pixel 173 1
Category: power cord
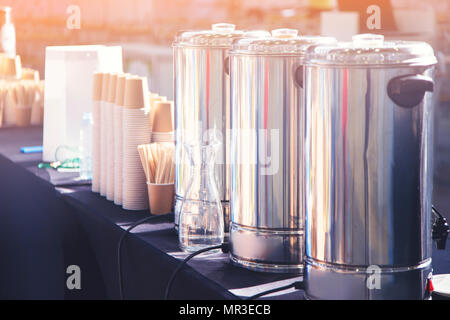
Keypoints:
pixel 298 285
pixel 225 249
pixel 119 247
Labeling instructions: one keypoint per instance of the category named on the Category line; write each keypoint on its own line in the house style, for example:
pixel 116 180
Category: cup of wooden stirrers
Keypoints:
pixel 158 164
pixel 21 102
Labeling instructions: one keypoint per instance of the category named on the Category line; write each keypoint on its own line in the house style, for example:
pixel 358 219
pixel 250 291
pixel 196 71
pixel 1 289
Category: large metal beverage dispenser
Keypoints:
pixel 266 230
pixel 202 104
pixel 368 169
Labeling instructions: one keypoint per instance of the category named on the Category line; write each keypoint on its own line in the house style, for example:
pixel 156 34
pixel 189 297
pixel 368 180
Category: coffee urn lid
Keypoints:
pixel 220 35
pixel 278 42
pixel 372 50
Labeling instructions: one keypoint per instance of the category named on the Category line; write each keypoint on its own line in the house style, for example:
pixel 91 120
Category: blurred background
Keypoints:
pixel 145 25
pixel 146 28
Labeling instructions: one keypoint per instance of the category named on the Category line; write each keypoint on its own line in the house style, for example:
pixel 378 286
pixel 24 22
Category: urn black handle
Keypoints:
pixel 408 91
pixel 298 76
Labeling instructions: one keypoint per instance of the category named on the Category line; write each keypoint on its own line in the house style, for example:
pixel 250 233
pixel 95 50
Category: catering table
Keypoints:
pixel 49 221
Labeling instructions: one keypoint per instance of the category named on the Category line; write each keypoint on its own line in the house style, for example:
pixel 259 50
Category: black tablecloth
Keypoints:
pixel 47 224
pixel 44 229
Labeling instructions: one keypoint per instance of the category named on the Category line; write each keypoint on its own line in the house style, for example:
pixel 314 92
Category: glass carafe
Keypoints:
pixel 201 217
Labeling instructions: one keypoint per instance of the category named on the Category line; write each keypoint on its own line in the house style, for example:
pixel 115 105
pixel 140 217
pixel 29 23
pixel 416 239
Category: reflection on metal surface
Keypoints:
pixel 368 178
pixel 337 282
pixel 266 164
pixel 267 250
pixel 201 93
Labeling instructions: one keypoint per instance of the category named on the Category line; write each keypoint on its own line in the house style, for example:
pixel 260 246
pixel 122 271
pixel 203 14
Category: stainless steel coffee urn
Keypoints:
pixel 368 169
pixel 202 104
pixel 266 231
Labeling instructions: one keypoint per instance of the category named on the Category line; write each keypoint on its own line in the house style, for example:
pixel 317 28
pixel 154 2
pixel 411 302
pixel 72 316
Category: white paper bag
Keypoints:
pixel 68 90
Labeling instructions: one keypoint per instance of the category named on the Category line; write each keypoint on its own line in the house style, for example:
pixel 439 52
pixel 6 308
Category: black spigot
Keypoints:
pixel 441 230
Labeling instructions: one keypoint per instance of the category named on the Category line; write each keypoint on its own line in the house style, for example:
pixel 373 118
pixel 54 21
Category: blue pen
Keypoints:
pixel 34 149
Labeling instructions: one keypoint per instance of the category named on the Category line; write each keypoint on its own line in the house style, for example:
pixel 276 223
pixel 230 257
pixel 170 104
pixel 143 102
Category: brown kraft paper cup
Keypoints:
pixel 160 197
pixel 162 117
pixel 136 93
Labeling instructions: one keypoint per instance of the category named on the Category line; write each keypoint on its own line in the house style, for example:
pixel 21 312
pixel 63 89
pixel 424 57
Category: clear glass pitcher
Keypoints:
pixel 201 218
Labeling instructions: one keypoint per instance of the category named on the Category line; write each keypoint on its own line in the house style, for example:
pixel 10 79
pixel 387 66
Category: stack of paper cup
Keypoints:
pixel 162 121
pixel 97 97
pixel 103 112
pixel 154 98
pixel 110 137
pixel 118 145
pixel 136 131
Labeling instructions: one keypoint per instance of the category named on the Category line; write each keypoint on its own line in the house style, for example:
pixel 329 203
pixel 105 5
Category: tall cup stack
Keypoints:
pixel 118 145
pixel 96 105
pixel 103 112
pixel 136 131
pixel 110 137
